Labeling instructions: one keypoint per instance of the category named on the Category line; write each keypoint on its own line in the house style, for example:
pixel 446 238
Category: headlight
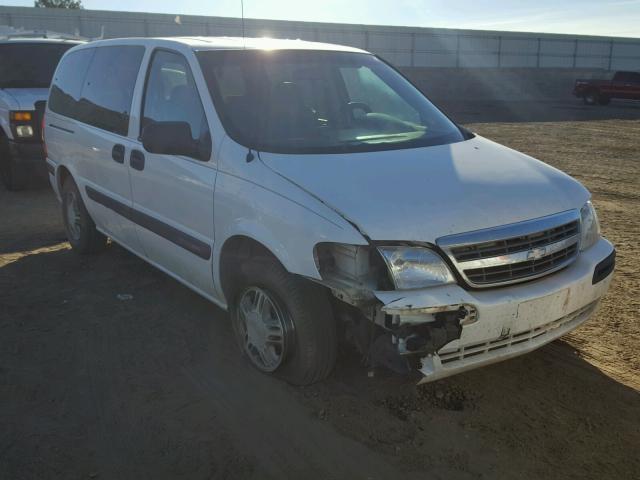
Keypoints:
pixel 589 226
pixel 24 131
pixel 416 267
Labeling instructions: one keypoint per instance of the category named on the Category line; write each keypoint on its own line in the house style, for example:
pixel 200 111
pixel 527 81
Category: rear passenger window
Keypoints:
pixel 108 90
pixel 68 82
pixel 171 96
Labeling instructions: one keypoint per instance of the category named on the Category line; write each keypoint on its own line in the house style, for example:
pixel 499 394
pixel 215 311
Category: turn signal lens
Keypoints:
pixel 21 116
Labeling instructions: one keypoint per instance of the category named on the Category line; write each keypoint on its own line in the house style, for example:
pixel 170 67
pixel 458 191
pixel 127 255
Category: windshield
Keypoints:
pixel 29 65
pixel 320 102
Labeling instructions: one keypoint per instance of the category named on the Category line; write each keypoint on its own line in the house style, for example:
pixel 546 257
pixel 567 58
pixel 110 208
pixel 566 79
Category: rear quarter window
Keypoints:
pixel 68 82
pixel 95 86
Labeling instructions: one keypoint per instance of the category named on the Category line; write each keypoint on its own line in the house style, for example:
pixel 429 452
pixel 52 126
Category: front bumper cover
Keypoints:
pixel 28 156
pixel 511 320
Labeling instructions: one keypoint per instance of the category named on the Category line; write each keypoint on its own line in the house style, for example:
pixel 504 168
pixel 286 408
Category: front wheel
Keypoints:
pixel 81 230
pixel 283 323
pixel 604 100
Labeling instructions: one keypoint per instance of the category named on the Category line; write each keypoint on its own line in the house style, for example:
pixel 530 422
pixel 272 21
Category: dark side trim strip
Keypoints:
pixel 180 238
pixel 61 128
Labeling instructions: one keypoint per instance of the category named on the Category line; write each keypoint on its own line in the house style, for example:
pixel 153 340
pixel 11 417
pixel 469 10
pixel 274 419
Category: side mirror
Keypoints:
pixel 169 138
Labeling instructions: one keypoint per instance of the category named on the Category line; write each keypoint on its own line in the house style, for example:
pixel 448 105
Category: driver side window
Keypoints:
pixel 171 96
pixel 364 86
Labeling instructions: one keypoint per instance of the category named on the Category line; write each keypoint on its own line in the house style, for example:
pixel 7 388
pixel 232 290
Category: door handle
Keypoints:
pixel 137 160
pixel 117 153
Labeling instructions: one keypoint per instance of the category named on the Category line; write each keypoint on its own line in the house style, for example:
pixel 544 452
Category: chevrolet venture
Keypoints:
pixel 316 194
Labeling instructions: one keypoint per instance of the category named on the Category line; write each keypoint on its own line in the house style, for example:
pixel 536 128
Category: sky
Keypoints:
pixel 583 17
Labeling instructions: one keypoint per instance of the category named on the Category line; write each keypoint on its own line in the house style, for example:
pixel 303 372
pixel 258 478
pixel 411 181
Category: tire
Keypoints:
pixel 591 97
pixel 307 353
pixel 604 100
pixel 78 224
pixel 13 178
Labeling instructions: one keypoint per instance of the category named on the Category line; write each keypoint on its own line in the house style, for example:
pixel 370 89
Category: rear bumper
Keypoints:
pixel 512 320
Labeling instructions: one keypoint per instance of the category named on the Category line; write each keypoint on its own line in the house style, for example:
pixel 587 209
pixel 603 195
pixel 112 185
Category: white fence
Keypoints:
pixel 403 46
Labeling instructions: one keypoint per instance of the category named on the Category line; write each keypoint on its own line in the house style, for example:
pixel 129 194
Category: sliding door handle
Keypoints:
pixel 137 160
pixel 117 153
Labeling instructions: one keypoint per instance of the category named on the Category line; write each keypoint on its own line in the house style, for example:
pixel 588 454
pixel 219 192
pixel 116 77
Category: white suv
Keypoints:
pixel 315 193
pixel 26 69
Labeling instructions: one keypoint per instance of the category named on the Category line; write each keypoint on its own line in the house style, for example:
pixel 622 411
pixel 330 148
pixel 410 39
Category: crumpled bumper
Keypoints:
pixel 512 320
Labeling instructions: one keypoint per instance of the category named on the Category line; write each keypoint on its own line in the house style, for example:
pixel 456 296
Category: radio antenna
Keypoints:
pixel 242 14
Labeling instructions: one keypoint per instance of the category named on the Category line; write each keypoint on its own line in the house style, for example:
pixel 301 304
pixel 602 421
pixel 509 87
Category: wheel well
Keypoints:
pixel 236 250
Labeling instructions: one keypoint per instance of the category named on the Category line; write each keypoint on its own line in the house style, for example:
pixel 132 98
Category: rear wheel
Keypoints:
pixel 283 323
pixel 591 97
pixel 13 178
pixel 81 230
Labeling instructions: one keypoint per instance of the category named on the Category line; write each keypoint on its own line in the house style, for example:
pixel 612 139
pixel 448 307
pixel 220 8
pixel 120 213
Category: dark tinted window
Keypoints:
pixel 630 77
pixel 108 87
pixel 29 65
pixel 68 83
pixel 172 96
pixel 320 102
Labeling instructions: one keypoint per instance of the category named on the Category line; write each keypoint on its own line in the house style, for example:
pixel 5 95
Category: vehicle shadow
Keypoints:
pixel 151 384
pixel 30 219
pixel 112 368
pixel 548 414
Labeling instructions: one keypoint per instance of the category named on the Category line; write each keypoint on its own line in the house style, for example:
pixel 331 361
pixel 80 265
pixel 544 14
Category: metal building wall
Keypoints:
pixel 403 46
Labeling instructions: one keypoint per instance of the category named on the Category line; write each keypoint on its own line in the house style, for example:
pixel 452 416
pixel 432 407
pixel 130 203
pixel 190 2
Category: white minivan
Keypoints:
pixel 316 194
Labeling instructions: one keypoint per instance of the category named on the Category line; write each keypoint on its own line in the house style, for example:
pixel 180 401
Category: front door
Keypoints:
pixel 172 194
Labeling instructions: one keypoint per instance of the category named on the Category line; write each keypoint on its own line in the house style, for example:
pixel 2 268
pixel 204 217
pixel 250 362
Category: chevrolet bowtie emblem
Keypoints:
pixel 536 253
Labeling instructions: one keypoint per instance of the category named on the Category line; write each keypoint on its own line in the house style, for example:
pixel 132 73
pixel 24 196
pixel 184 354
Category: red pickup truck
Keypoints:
pixel 623 85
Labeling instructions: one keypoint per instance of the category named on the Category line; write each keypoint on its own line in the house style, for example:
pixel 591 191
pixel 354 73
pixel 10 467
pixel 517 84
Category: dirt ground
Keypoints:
pixel 96 386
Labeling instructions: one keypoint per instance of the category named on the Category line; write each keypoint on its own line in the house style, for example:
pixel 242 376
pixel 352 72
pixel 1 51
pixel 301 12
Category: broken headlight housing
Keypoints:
pixel 589 226
pixel 415 267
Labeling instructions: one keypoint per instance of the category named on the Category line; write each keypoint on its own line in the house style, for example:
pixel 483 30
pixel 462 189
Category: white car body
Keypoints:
pixel 291 204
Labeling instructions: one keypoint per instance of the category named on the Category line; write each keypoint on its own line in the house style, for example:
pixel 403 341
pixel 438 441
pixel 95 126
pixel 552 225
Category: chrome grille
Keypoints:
pixel 517 244
pixel 516 252
pixel 518 270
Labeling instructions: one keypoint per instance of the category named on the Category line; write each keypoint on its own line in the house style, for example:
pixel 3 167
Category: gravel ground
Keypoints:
pixel 92 386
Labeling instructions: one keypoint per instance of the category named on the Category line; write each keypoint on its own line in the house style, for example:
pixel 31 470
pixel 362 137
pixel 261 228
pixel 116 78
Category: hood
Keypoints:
pixel 423 194
pixel 27 97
